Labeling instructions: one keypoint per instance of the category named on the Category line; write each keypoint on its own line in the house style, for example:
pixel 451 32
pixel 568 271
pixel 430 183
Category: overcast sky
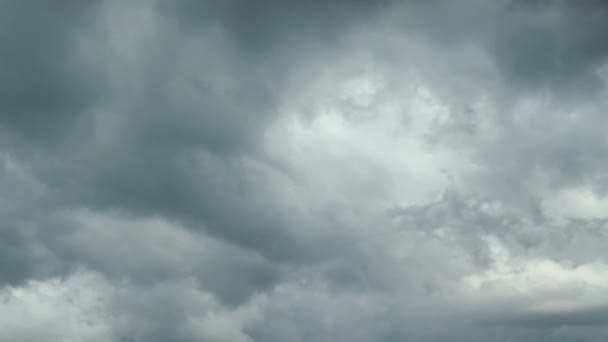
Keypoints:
pixel 312 170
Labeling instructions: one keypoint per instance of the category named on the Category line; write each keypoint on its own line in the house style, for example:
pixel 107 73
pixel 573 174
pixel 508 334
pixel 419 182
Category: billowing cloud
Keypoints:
pixel 303 170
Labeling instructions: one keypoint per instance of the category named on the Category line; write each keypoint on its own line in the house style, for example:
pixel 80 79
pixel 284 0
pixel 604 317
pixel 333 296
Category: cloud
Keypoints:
pixel 302 170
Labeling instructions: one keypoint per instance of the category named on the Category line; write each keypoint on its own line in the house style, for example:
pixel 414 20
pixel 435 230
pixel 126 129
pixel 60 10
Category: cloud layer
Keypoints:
pixel 303 171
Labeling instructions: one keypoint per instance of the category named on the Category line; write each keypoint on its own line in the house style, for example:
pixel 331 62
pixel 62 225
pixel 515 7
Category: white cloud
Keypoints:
pixel 70 309
pixel 576 203
pixel 539 284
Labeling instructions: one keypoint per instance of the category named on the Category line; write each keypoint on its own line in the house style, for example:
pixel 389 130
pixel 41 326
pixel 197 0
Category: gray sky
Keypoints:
pixel 321 170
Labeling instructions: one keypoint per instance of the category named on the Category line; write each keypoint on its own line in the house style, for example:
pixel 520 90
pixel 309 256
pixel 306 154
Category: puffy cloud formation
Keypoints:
pixel 279 170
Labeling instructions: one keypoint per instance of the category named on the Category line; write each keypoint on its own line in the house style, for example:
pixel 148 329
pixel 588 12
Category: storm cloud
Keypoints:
pixel 331 170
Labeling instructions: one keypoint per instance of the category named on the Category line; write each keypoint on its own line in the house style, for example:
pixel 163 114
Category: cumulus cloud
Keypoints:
pixel 303 170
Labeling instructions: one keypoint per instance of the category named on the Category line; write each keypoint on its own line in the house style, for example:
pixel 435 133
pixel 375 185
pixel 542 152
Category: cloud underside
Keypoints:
pixel 303 171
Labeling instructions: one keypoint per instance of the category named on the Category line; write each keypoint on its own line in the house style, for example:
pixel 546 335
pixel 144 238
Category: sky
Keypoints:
pixel 303 170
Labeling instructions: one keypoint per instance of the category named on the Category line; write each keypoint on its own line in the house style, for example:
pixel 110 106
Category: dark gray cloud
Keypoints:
pixel 555 45
pixel 551 46
pixel 46 85
pixel 303 170
pixel 586 317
